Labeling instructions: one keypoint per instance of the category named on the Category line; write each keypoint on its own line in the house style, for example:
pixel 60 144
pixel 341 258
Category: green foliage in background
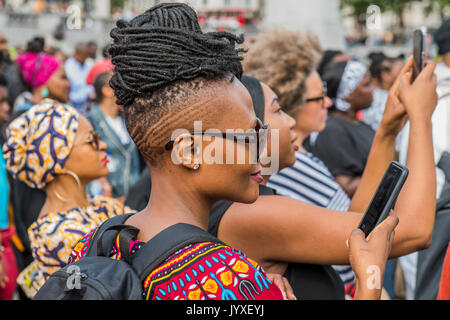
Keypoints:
pixel 359 7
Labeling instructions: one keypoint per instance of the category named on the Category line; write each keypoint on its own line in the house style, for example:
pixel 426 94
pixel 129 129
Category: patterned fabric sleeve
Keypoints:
pixel 53 236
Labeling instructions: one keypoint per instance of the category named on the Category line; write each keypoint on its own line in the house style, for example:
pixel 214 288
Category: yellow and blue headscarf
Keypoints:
pixel 40 141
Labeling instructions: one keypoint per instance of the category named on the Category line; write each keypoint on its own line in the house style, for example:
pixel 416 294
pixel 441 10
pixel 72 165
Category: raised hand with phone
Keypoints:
pixel 414 100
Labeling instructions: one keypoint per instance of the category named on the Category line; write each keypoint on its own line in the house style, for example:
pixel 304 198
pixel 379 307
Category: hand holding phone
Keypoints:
pixel 368 257
pixel 419 98
pixel 385 197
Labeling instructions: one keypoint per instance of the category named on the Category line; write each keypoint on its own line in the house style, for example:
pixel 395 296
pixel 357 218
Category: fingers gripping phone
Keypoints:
pixel 385 197
pixel 419 39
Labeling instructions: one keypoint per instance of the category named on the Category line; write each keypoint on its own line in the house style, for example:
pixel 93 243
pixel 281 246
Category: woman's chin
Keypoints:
pixel 250 195
pixel 101 174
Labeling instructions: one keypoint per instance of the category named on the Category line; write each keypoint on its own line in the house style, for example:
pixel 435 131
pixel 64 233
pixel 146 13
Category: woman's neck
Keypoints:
pixel 349 115
pixel 36 96
pixel 64 194
pixel 301 137
pixel 171 203
pixel 109 108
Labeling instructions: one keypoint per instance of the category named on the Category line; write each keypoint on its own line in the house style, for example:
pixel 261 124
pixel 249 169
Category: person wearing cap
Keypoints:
pixel 54 148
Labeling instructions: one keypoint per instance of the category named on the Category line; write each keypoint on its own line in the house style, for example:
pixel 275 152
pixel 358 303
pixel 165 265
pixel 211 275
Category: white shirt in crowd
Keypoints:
pixel 441 143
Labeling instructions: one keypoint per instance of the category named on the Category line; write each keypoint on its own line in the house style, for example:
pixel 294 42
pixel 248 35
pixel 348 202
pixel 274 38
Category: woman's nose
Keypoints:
pixel 102 145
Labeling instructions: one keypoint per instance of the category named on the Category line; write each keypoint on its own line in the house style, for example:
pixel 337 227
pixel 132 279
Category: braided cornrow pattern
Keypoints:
pixel 166 44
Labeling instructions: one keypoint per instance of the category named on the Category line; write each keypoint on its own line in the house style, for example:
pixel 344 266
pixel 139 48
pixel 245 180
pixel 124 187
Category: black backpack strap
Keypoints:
pixel 164 244
pixel 107 237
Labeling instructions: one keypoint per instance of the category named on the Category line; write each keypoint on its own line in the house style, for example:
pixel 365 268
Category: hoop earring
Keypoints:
pixel 60 197
pixel 73 175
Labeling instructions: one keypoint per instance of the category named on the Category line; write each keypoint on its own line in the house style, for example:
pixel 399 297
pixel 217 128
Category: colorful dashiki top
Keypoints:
pixel 54 235
pixel 201 271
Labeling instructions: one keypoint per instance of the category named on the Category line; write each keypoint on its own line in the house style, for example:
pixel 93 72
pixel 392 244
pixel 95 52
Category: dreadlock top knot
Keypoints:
pixel 166 44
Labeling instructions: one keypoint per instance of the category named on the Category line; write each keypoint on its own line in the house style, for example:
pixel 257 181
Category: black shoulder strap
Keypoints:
pixel 152 253
pixel 107 238
pixel 164 244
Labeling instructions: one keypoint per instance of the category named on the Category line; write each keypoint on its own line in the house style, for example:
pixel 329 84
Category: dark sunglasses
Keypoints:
pixel 322 97
pixel 259 135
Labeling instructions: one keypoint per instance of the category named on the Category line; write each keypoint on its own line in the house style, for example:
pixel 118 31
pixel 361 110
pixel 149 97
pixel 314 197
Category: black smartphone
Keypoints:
pixel 385 196
pixel 419 38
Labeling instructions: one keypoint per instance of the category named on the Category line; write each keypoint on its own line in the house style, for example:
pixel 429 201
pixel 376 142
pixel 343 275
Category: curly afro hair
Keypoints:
pixel 283 60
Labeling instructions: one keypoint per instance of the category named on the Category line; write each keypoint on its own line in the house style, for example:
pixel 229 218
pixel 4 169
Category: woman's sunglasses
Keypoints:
pixel 94 140
pixel 258 136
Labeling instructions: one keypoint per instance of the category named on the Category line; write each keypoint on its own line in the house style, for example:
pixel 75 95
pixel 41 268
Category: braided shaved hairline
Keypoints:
pixel 163 61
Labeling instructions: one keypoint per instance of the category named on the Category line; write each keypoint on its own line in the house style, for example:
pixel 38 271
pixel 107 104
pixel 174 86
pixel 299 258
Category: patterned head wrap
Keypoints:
pixel 37 68
pixel 39 142
pixel 354 73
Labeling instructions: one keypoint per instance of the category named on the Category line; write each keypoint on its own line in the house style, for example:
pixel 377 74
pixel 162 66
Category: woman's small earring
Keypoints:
pixel 196 166
pixel 45 93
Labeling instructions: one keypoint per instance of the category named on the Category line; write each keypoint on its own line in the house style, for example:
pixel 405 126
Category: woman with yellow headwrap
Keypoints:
pixel 54 148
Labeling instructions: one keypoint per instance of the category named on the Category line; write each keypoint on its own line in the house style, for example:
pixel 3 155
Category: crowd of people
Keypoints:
pixel 87 140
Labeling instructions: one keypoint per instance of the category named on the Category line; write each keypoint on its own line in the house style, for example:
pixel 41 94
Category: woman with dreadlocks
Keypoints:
pixel 168 73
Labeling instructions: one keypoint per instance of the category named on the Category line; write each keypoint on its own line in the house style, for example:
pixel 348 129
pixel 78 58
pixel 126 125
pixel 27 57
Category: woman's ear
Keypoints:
pixel 107 91
pixel 186 152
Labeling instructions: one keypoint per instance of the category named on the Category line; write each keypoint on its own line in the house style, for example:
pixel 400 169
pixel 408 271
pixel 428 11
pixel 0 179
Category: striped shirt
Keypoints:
pixel 310 180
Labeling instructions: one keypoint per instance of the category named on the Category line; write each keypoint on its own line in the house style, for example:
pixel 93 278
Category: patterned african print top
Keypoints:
pixel 201 271
pixel 53 235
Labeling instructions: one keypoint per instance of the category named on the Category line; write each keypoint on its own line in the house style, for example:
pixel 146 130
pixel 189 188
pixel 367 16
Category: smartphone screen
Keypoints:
pixel 418 51
pixel 385 196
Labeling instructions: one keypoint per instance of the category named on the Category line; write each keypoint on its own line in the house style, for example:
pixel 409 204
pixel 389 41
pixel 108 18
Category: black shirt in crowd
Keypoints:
pixel 343 146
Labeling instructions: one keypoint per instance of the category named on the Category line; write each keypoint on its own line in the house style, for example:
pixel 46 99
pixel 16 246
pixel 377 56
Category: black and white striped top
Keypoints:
pixel 310 180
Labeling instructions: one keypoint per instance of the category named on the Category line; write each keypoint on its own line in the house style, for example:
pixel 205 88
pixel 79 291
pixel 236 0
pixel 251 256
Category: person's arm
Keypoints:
pixel 382 152
pixel 348 183
pixel 277 228
pixel 419 192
